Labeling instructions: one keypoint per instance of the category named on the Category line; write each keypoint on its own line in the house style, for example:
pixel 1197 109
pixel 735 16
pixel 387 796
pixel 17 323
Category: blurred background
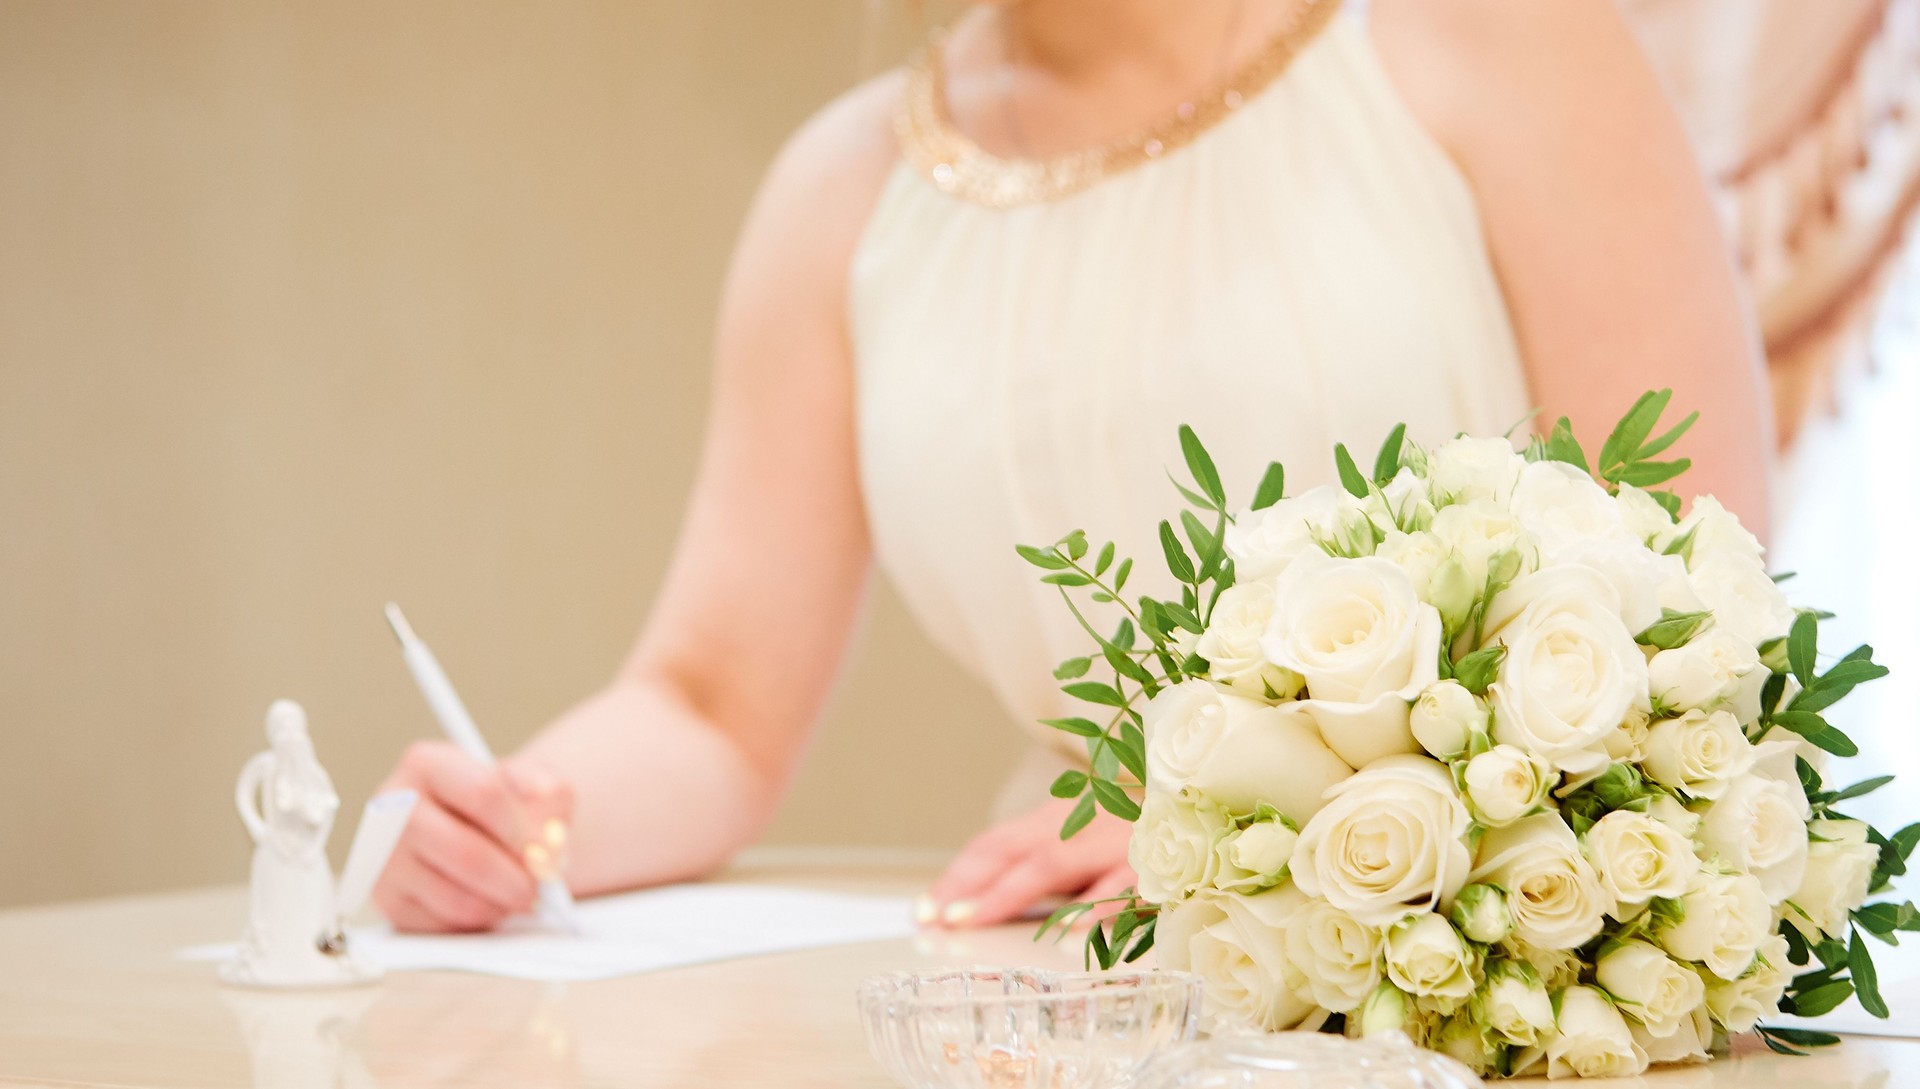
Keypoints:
pixel 306 305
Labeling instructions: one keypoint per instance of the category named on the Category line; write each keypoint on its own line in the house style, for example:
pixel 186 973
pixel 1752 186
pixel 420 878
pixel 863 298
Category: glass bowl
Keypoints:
pixel 1010 1028
pixel 1307 1060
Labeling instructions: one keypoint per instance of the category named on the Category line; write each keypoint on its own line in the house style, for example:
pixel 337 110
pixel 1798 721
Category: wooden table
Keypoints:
pixel 92 995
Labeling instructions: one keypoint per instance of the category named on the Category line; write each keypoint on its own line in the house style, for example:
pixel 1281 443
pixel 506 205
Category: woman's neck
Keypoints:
pixel 1081 40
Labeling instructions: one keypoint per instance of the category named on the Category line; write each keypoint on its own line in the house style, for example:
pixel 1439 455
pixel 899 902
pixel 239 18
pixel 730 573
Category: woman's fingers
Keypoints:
pixel 416 897
pixel 546 805
pixel 1009 868
pixel 478 793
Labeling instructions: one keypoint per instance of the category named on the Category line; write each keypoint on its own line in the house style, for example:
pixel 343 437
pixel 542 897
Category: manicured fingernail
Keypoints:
pixel 925 910
pixel 959 913
pixel 539 861
pixel 555 834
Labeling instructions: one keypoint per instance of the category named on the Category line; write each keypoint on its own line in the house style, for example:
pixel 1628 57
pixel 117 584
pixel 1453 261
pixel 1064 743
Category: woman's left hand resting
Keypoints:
pixel 1016 864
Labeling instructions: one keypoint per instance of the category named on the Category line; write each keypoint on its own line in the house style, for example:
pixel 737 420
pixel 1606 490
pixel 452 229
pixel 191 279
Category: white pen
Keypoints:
pixel 556 903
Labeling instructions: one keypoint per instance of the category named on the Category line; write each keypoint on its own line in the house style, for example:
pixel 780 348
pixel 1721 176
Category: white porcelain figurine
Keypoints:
pixel 288 805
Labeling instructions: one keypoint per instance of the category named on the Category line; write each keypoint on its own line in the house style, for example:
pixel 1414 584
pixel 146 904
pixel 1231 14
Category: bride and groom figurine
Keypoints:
pixel 295 934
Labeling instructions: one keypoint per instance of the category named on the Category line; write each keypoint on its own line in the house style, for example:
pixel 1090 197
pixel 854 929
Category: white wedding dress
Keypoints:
pixel 1311 269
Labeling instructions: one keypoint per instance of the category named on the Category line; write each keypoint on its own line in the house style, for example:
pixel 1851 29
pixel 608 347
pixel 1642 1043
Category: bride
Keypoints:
pixel 975 299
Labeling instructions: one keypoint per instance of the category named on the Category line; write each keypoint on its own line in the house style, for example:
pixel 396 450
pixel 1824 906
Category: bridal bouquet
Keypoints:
pixel 1495 749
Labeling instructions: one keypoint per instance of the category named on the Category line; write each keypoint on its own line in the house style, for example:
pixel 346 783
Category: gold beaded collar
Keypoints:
pixel 961 168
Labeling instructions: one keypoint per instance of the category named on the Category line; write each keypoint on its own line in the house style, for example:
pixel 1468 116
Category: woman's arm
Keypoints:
pixel 1614 268
pixel 681 760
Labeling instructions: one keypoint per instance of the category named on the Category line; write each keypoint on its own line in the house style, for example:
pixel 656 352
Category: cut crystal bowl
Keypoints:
pixel 1306 1060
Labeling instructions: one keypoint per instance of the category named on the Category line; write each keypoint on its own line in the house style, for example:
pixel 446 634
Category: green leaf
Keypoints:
pixel 1067 578
pixel 1350 477
pixel 1803 1037
pixel 1071 668
pixel 1142 942
pixel 1801 639
pixel 1123 634
pixel 1095 692
pixel 1562 446
pixel 1104 560
pixel 1885 918
pixel 1126 667
pixel 1080 727
pixel 1659 445
pixel 1105 761
pixel 1205 545
pixel 1183 616
pixel 1114 800
pixel 1669 502
pixel 1864 786
pixel 1177 561
pixel 1816 730
pixel 1120 574
pixel 1273 486
pixel 1904 840
pixel 1776 1046
pixel 1132 750
pixel 1673 629
pixel 1062 917
pixel 1069 784
pixel 1097 946
pixel 1477 671
pixel 1078 818
pixel 1200 464
pixel 1821 999
pixel 1770 693
pixel 1042 557
pixel 1076 543
pixel 1633 428
pixel 1642 474
pixel 1866 980
pixel 1387 462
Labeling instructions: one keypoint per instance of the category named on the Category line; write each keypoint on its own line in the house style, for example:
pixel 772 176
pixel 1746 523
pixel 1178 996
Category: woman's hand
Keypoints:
pixel 1008 869
pixel 463 860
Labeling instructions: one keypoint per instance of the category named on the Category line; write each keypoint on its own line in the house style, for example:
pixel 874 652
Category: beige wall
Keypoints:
pixel 308 304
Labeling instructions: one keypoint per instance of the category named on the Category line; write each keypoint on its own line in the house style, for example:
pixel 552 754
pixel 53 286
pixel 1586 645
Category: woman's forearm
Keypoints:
pixel 663 794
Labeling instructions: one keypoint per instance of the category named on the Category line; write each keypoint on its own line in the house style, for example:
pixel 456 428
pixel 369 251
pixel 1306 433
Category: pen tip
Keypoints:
pixel 397 620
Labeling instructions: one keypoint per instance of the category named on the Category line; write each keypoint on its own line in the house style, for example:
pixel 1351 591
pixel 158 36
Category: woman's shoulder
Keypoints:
pixel 1492 71
pixel 828 176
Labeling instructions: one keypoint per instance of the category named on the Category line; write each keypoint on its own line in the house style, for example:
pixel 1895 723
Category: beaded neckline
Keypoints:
pixel 958 166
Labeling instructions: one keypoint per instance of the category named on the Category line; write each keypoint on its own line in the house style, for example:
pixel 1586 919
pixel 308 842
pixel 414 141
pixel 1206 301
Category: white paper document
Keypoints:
pixel 641 932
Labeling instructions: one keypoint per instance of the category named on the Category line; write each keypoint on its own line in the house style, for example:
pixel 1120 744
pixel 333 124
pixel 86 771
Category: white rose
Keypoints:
pixel 1366 644
pixel 1700 752
pixel 1840 865
pixel 1668 811
pixel 1391 838
pixel 1557 899
pixel 1465 1041
pixel 1759 824
pixel 1466 469
pixel 1724 918
pixel 1231 644
pixel 1419 554
pixel 1572 671
pixel 1688 1043
pixel 1446 718
pixel 1476 532
pixel 1514 1003
pixel 1645 582
pixel 1737 1004
pixel 1172 846
pixel 1236 751
pixel 1646 519
pixel 1592 1039
pixel 1252 857
pixel 1235 944
pixel 1627 742
pixel 1426 957
pixel 1387 1009
pixel 1639 857
pixel 1558 968
pixel 1745 602
pixel 1262 543
pixel 1337 956
pixel 1558 505
pixel 1504 784
pixel 1482 914
pixel 1704 673
pixel 1403 505
pixel 1650 986
pixel 1718 535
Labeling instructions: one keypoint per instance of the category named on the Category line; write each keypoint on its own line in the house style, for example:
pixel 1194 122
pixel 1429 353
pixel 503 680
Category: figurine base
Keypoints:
pixel 327 973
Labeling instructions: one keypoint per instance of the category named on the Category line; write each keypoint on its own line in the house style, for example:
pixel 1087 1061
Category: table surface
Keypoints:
pixel 92 995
